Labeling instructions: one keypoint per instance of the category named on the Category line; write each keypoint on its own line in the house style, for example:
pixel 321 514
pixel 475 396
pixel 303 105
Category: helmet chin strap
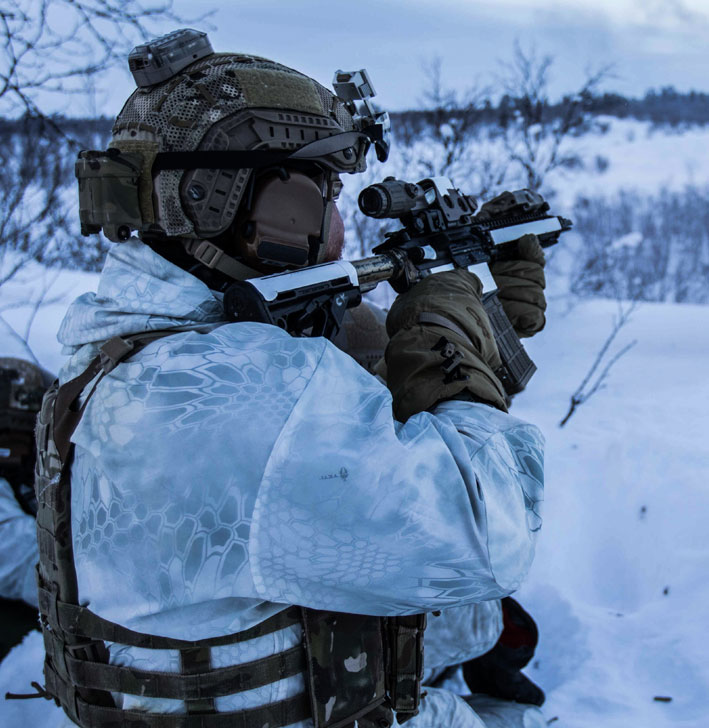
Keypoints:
pixel 213 257
pixel 318 252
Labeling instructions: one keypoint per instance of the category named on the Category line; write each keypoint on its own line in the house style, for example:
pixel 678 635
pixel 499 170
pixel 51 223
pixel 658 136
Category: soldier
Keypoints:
pixel 22 384
pixel 233 528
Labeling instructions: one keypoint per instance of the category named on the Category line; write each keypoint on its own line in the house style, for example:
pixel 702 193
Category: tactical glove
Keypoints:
pixel 498 672
pixel 520 285
pixel 363 336
pixel 441 345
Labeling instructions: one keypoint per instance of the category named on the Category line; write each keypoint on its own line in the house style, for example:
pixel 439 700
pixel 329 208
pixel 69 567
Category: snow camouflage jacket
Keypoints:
pixel 230 469
pixel 18 549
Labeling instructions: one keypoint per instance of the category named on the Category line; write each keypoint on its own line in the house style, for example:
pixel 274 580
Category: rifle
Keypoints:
pixel 439 228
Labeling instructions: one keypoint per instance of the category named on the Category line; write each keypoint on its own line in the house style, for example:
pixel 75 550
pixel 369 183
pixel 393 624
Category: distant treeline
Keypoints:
pixel 666 106
pixel 68 132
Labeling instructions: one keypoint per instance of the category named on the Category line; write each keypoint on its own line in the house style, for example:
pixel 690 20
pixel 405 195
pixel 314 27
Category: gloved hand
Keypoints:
pixel 363 336
pixel 521 285
pixel 441 345
pixel 498 672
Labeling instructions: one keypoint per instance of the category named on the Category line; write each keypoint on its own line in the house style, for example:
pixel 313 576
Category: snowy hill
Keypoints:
pixel 639 156
pixel 619 584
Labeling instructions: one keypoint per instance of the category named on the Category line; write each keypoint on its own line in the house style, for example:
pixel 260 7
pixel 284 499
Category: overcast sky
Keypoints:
pixel 652 43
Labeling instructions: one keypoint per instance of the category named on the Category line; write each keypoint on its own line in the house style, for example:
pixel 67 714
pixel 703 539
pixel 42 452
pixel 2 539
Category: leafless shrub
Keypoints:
pixel 644 247
pixel 534 130
pixel 51 48
pixel 33 213
pixel 596 377
pixel 451 138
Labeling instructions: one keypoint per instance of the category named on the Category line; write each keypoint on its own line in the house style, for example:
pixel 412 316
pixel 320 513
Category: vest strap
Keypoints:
pixel 82 622
pixel 195 686
pixel 67 413
pixel 196 661
pixel 275 715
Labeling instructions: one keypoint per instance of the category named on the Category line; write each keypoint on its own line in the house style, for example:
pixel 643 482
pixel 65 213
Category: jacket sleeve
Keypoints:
pixel 18 549
pixel 359 513
pixel 459 634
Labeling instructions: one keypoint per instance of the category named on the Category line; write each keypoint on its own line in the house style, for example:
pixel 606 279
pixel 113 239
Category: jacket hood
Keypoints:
pixel 138 291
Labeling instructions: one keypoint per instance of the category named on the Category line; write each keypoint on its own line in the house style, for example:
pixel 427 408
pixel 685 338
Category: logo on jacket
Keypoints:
pixel 342 473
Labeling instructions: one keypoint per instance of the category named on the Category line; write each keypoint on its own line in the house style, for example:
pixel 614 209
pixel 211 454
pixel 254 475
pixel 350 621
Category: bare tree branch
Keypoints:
pixel 453 140
pixel 590 386
pixel 535 130
pixel 9 330
pixel 52 46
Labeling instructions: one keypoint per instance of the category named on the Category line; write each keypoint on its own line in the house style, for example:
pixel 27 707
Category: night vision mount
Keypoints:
pixel 164 57
pixel 355 89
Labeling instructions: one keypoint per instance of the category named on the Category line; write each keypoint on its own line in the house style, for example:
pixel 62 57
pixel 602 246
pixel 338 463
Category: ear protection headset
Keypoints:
pixel 286 221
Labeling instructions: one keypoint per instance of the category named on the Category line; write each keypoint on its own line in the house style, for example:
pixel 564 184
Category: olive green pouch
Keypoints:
pixel 109 198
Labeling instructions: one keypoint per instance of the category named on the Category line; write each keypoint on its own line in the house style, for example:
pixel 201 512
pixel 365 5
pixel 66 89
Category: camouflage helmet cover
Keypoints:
pixel 225 101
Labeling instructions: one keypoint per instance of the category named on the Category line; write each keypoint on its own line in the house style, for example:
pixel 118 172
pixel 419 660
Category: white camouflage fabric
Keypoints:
pixel 18 549
pixel 18 539
pixel 231 469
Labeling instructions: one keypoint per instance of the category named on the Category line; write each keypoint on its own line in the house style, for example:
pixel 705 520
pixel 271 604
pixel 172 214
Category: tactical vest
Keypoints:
pixel 80 679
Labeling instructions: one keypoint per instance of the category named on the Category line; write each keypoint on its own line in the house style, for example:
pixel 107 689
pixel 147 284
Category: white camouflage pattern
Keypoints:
pixel 230 469
pixel 18 549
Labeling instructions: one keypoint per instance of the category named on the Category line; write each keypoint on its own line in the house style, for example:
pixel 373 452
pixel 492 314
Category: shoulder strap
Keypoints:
pixel 67 412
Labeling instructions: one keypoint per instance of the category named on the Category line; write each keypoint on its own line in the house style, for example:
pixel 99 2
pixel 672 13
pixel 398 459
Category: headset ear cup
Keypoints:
pixel 284 226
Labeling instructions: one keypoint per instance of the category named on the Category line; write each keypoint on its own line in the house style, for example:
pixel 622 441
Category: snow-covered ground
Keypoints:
pixel 619 154
pixel 54 290
pixel 640 157
pixel 619 586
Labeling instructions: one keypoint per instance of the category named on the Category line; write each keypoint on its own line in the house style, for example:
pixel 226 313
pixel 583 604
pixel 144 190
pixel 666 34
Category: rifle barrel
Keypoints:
pixel 374 270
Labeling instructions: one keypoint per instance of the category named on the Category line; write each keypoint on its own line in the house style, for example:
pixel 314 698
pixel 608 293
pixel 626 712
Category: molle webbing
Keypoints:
pixel 90 715
pixel 77 672
pixel 80 621
pixel 194 686
pixel 405 665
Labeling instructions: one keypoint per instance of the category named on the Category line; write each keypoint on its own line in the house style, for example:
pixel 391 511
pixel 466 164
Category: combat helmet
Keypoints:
pixel 232 155
pixel 22 385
